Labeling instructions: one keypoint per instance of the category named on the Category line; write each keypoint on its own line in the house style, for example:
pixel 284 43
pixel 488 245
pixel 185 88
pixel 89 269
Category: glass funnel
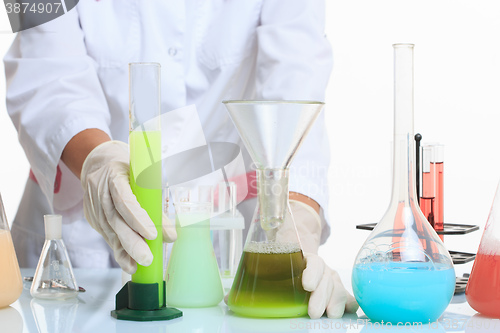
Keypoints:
pixel 11 283
pixel 403 272
pixel 268 282
pixel 483 288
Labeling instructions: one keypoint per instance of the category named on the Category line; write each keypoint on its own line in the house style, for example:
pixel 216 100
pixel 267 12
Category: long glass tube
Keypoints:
pixel 404 195
pixel 428 198
pixel 439 166
pixel 404 189
pixel 145 161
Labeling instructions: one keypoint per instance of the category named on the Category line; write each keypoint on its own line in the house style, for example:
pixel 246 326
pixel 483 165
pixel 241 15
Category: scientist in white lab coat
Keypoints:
pixel 67 95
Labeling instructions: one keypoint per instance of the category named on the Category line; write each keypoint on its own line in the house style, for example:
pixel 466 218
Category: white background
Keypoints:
pixel 457 103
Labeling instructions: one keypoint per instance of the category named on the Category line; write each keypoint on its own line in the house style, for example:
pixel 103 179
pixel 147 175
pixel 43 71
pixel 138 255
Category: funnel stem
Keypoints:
pixel 272 187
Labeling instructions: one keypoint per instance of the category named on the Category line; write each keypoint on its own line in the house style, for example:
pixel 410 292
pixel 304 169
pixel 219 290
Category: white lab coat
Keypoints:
pixel 71 74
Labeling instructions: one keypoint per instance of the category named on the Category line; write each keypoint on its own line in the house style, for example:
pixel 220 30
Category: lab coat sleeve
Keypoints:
pixel 294 62
pixel 53 93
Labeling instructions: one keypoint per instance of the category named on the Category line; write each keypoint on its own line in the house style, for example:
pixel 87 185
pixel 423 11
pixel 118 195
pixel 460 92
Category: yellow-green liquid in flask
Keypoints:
pixel 145 181
pixel 269 282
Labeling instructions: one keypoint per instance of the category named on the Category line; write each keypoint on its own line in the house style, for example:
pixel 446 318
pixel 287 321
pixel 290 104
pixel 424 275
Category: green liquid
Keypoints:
pixel 193 278
pixel 269 284
pixel 145 181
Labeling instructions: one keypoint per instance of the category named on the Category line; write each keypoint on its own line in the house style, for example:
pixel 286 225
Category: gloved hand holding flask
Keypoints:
pixel 327 291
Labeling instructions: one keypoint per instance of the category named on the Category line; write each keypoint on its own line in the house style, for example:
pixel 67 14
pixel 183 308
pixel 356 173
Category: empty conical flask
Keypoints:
pixel 483 288
pixel 54 278
pixel 11 283
pixel 268 282
pixel 403 273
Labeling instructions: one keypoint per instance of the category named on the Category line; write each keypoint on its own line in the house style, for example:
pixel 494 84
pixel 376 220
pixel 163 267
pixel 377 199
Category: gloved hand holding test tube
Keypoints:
pixel 123 201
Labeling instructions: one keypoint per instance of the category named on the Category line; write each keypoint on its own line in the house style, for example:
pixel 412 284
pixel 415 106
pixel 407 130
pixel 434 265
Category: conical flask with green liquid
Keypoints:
pixel 268 282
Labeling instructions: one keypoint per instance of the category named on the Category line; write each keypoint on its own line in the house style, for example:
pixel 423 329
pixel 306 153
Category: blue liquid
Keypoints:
pixel 403 292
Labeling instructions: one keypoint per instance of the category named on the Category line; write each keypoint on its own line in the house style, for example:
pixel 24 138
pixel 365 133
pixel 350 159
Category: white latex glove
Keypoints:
pixel 327 291
pixel 112 209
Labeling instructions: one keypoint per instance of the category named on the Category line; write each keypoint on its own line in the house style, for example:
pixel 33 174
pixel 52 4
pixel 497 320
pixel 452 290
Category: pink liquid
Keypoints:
pixel 432 200
pixel 483 288
pixel 439 211
pixel 428 194
pixel 427 207
pixel 400 226
pixel 11 284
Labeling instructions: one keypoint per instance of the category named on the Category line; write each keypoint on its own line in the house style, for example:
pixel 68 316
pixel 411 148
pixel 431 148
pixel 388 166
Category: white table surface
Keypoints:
pixel 90 312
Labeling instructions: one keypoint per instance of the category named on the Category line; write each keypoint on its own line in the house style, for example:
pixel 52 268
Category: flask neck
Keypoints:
pixel 490 241
pixel 403 179
pixel 199 230
pixel 403 188
pixel 3 218
pixel 272 190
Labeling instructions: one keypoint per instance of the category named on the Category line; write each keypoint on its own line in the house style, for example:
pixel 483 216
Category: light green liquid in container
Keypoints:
pixel 193 278
pixel 145 181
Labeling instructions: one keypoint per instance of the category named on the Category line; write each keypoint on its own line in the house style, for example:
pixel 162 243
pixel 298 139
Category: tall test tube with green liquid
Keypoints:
pixel 145 160
pixel 143 299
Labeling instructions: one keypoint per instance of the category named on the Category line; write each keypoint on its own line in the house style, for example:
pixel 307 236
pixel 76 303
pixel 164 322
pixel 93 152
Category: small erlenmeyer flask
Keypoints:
pixel 11 283
pixel 403 272
pixel 193 279
pixel 483 288
pixel 268 282
pixel 54 278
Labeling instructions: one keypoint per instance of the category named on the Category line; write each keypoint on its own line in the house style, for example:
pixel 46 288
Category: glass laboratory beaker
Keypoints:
pixel 54 278
pixel 193 279
pixel 11 283
pixel 403 273
pixel 268 282
pixel 145 162
pixel 483 288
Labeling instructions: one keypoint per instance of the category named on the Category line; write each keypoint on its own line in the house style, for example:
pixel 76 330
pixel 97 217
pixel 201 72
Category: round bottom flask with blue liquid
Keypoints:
pixel 403 273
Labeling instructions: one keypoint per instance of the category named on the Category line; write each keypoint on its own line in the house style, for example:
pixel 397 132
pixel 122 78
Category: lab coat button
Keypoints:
pixel 172 51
